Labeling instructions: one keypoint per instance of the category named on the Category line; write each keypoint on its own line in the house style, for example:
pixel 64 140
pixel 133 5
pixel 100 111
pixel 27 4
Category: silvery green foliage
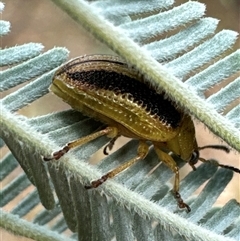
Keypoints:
pixel 4 25
pixel 133 206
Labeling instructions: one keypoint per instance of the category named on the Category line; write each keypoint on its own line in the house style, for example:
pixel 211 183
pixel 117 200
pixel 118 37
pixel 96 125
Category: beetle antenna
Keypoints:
pixel 216 163
pixel 218 147
pixel 195 157
pixel 230 168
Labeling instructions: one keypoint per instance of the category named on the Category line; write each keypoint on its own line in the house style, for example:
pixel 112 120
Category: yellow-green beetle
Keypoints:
pixel 105 88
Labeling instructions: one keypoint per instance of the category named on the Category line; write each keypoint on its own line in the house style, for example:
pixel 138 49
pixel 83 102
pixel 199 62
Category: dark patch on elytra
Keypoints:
pixel 141 92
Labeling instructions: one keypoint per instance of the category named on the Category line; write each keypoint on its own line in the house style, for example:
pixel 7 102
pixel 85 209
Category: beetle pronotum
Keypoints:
pixel 105 88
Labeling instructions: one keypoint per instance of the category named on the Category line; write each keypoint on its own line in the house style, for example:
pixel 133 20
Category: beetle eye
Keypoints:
pixel 194 159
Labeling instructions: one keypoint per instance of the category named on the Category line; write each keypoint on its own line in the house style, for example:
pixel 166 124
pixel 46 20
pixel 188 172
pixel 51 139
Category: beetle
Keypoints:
pixel 105 88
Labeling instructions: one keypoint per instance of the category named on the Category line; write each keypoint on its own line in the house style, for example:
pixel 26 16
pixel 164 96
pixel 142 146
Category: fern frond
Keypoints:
pixel 135 205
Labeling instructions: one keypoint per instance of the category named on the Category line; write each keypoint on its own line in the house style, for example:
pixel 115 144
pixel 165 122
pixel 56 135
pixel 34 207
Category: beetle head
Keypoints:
pixel 184 143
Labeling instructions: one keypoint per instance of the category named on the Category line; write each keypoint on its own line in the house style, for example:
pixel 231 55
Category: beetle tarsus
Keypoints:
pixel 56 155
pixel 181 203
pixel 110 145
pixel 47 159
pixel 96 183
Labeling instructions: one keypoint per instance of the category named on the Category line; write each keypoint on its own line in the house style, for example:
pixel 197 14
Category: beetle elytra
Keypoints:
pixel 105 88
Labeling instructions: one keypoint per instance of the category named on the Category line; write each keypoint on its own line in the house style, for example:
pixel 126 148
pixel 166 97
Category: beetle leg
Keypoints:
pixel 141 154
pixel 110 145
pixel 109 131
pixel 168 160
